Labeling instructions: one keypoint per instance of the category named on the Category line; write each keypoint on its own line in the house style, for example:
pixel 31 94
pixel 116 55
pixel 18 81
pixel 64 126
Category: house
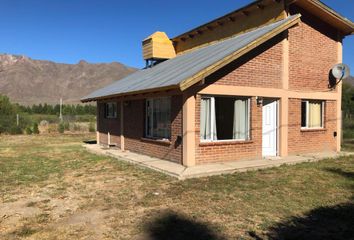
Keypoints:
pixel 251 84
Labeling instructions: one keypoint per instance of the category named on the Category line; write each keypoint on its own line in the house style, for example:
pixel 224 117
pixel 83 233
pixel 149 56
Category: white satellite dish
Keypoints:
pixel 340 71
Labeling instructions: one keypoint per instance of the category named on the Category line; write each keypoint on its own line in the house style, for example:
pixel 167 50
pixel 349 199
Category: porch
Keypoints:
pixel 181 172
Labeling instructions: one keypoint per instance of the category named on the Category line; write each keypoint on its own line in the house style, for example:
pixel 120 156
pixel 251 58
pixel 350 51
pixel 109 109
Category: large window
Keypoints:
pixel 224 118
pixel 158 118
pixel 110 110
pixel 312 114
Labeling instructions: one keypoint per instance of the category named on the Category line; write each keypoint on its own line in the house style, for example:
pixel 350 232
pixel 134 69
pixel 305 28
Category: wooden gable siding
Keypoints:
pixel 231 26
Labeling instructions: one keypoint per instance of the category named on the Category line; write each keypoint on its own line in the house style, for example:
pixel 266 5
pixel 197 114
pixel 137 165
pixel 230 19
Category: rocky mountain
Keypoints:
pixel 28 81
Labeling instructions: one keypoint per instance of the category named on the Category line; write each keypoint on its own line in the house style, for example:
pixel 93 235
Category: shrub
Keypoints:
pixel 15 130
pixel 92 127
pixel 61 128
pixel 35 128
pixel 28 131
pixel 66 126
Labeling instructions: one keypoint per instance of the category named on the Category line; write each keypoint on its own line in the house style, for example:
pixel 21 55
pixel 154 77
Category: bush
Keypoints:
pixel 61 128
pixel 28 131
pixel 66 126
pixel 92 127
pixel 35 128
pixel 15 130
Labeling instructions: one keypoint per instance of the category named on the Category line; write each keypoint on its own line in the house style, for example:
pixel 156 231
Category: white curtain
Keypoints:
pixel 207 119
pixel 315 115
pixel 240 126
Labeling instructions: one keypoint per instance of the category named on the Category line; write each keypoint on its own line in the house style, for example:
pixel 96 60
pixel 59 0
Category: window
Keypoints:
pixel 224 118
pixel 110 110
pixel 312 114
pixel 158 118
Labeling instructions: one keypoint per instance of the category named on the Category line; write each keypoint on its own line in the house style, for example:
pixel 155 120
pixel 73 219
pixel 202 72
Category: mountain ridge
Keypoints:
pixel 30 81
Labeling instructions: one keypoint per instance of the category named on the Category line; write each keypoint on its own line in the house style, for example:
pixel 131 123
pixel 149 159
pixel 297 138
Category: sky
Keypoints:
pixel 98 31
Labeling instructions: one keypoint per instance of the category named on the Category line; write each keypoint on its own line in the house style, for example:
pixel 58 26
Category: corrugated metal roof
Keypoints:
pixel 172 72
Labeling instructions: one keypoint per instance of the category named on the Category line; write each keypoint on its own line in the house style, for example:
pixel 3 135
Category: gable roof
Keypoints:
pixel 187 69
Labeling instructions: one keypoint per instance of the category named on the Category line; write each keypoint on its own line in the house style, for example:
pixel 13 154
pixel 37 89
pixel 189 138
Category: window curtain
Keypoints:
pixel 315 115
pixel 240 126
pixel 207 119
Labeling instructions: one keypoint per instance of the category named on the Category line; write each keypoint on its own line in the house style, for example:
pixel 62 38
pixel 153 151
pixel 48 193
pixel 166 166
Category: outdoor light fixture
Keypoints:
pixel 259 101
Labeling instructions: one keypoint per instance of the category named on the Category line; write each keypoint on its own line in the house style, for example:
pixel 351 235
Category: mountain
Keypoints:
pixel 350 80
pixel 28 81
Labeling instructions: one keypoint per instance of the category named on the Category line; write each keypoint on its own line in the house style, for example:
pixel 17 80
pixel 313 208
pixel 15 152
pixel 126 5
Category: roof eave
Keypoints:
pixel 166 88
pixel 345 25
pixel 216 66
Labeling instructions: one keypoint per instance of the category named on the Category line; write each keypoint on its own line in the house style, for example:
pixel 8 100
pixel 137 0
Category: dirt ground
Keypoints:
pixel 51 188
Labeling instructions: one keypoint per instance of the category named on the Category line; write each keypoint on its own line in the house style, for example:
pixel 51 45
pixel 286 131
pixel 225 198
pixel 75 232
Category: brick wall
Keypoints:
pixel 260 67
pixel 313 52
pixel 223 151
pixel 111 125
pixel 134 126
pixel 310 141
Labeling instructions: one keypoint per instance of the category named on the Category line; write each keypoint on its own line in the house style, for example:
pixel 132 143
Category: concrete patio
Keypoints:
pixel 181 172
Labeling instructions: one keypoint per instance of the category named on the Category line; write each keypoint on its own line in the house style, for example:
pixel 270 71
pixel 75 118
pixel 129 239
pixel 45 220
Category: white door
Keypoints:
pixel 269 128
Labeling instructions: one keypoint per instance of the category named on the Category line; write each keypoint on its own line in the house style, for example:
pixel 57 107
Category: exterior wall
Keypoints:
pixel 309 141
pixel 313 52
pixel 230 151
pixel 259 68
pixel 134 126
pixel 108 125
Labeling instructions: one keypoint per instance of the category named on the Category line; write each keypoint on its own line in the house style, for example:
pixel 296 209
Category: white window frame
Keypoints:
pixel 108 114
pixel 213 119
pixel 151 105
pixel 308 111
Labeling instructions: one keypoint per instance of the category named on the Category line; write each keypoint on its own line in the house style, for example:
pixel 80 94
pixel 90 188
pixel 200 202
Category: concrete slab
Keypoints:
pixel 181 172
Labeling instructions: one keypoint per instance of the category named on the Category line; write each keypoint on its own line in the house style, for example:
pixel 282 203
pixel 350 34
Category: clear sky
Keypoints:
pixel 111 30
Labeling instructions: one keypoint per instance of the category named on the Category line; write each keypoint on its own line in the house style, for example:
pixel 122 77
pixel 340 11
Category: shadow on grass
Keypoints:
pixel 335 222
pixel 331 222
pixel 172 226
pixel 90 142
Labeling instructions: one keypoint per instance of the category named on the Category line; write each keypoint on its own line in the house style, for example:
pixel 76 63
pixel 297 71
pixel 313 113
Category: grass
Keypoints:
pixel 51 188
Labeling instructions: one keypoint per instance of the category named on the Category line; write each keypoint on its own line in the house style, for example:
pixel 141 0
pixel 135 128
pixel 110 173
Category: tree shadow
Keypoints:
pixel 334 222
pixel 173 226
pixel 330 222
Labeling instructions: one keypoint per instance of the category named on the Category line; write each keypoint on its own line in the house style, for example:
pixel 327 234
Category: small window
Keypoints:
pixel 110 110
pixel 224 118
pixel 312 114
pixel 158 118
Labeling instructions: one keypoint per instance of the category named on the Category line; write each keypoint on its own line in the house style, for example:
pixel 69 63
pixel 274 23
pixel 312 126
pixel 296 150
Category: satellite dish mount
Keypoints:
pixel 338 73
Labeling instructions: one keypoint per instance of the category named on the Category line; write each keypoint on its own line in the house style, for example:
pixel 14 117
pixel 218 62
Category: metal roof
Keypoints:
pixel 172 72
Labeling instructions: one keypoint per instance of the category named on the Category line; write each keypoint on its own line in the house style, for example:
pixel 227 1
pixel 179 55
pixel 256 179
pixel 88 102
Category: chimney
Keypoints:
pixel 157 48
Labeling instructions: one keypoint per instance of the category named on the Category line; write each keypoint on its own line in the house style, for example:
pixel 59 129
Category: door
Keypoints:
pixel 269 127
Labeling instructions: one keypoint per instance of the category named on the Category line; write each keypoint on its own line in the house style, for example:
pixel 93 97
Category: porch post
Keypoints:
pixel 122 141
pixel 284 101
pixel 284 122
pixel 188 113
pixel 97 123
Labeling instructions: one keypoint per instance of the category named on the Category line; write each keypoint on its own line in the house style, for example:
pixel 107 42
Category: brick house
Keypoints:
pixel 251 84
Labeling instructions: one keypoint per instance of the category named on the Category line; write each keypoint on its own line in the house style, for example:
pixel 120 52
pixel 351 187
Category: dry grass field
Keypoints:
pixel 51 188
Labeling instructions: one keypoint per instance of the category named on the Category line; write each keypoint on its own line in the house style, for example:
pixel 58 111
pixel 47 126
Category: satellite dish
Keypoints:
pixel 340 71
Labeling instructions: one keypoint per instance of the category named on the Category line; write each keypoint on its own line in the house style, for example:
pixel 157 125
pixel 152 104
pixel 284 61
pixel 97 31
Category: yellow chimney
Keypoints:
pixel 158 46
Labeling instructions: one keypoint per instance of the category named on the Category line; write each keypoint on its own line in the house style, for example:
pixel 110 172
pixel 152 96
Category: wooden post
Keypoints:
pixel 122 141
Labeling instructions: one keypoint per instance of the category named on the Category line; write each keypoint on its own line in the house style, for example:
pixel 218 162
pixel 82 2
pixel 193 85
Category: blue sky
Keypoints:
pixel 111 30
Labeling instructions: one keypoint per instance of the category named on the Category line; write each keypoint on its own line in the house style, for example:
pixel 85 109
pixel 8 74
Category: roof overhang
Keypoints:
pixel 327 14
